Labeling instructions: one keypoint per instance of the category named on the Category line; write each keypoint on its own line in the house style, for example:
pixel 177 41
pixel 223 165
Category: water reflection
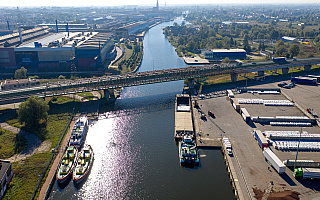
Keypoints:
pixel 135 153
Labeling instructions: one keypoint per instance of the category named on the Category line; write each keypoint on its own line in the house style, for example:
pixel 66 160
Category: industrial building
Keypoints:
pixel 9 42
pixel 66 27
pixel 16 84
pixel 41 50
pixel 219 54
pixel 92 53
pixel 132 28
pixel 6 174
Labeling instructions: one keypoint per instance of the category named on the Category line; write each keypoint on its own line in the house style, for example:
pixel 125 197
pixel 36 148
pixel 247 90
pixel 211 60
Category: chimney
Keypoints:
pixel 57 26
pixel 67 28
pixel 20 35
pixel 8 25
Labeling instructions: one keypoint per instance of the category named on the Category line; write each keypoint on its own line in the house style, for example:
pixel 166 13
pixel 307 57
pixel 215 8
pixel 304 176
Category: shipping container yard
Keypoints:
pixel 265 126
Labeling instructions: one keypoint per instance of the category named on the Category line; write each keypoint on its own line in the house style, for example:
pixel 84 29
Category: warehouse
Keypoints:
pixel 133 28
pixel 220 54
pixel 82 51
pixel 93 53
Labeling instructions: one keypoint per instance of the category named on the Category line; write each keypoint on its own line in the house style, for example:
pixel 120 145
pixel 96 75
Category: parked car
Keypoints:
pixel 282 84
pixel 210 113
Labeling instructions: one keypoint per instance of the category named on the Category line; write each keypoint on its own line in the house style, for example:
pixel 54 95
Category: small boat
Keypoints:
pixel 84 164
pixel 67 164
pixel 79 131
pixel 188 152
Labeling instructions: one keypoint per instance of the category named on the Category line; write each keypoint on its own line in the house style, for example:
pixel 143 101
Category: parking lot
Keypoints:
pixel 250 164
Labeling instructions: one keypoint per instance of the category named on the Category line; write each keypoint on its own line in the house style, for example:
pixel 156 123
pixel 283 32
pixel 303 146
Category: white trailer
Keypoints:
pixel 274 161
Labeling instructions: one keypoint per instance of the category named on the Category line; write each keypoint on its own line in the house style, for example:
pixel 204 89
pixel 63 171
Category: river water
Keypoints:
pixel 135 153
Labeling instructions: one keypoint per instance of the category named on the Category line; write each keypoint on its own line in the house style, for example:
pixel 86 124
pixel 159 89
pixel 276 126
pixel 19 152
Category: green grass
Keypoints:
pixel 28 172
pixel 86 95
pixel 126 56
pixel 11 143
pixel 26 175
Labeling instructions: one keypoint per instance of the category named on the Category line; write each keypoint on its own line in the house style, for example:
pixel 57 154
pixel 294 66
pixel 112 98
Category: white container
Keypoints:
pixel 274 161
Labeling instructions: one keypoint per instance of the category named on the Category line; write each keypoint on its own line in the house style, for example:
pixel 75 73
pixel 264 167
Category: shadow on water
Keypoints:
pixel 61 186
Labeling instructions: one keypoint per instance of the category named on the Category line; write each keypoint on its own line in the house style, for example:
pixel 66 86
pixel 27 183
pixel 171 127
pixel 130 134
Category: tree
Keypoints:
pixel 226 60
pixel 246 45
pixel 294 50
pixel 33 112
pixel 20 73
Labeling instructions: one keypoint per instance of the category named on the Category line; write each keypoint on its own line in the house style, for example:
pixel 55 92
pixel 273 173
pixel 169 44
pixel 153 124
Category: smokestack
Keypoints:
pixel 8 25
pixel 67 28
pixel 57 26
pixel 20 35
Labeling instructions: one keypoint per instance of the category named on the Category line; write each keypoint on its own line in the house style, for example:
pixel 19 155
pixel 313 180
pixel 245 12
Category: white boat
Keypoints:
pixel 79 132
pixel 67 164
pixel 83 165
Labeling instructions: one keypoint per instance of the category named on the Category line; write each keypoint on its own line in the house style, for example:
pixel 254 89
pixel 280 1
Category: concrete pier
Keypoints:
pixel 307 68
pixel 285 70
pixel 234 77
pixel 260 73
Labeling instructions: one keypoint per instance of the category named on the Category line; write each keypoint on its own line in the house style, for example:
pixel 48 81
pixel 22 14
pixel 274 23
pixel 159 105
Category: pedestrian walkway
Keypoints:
pixel 33 142
pixel 52 172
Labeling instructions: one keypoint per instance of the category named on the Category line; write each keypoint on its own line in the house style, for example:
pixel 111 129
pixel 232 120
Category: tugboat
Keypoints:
pixel 79 131
pixel 84 164
pixel 188 152
pixel 67 164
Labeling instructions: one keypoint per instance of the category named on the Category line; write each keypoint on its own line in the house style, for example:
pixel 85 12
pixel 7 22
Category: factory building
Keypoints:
pixel 63 51
pixel 93 53
pixel 132 28
pixel 66 27
pixel 220 54
pixel 9 42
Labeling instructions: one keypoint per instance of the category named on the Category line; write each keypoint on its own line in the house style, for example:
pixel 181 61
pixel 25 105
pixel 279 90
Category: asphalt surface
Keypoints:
pixel 249 162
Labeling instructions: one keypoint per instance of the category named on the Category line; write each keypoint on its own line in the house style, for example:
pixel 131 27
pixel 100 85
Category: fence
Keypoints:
pixel 52 155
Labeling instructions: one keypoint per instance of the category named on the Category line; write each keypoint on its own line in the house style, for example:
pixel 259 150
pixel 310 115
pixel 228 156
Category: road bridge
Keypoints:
pixel 149 77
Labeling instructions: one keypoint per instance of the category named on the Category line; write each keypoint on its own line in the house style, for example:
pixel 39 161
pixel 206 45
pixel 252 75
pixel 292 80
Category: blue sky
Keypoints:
pixel 63 3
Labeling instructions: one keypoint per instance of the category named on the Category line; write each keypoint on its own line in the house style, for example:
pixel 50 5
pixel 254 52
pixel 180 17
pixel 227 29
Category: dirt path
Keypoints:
pixel 34 143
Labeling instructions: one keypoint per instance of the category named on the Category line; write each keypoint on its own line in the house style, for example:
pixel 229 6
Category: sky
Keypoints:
pixel 77 3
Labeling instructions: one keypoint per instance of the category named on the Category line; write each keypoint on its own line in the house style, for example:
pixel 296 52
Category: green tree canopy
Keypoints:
pixel 226 60
pixel 33 112
pixel 20 73
pixel 294 50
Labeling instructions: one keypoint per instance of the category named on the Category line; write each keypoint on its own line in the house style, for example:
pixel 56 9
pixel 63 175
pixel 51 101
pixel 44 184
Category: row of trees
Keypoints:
pixel 135 58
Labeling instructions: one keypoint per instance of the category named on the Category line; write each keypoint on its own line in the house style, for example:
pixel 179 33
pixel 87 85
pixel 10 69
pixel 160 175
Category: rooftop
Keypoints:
pixel 60 40
pixel 4 165
pixel 228 50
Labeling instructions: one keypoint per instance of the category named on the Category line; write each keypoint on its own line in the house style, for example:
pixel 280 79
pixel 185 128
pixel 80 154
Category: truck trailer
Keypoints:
pixel 304 80
pixel 261 139
pixel 305 173
pixel 274 161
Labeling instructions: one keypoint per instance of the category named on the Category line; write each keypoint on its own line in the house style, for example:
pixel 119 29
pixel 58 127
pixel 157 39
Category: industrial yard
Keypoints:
pixel 255 176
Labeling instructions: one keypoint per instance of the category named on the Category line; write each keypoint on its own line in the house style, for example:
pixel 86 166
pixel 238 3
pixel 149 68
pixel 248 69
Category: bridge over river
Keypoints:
pixel 150 77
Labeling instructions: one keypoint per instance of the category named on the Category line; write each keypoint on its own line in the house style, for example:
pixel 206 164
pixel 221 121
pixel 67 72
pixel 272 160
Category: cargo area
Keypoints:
pixel 246 118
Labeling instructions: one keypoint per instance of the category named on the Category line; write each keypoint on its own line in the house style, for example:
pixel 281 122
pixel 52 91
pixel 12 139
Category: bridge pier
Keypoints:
pixel 109 95
pixel 234 77
pixel 307 68
pixel 260 73
pixel 285 70
pixel 190 82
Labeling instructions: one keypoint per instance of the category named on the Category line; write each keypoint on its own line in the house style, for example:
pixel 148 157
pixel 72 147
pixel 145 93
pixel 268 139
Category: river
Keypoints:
pixel 135 153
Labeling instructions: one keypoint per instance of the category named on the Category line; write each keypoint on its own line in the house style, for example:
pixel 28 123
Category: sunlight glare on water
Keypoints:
pixel 113 169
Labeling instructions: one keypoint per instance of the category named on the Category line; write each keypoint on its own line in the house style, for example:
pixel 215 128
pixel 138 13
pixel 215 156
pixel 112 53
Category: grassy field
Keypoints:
pixel 126 56
pixel 11 143
pixel 28 172
pixel 86 95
